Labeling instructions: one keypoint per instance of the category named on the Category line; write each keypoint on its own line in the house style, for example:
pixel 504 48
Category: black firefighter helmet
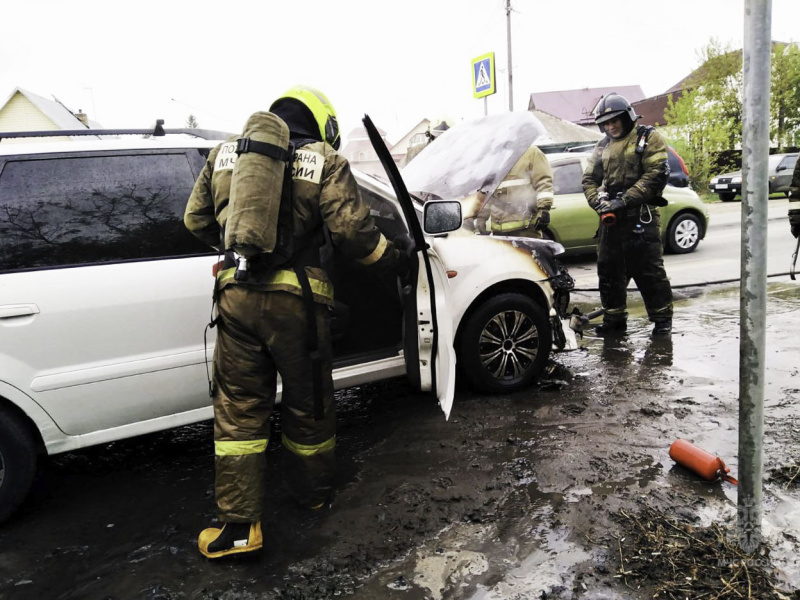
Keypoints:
pixel 612 106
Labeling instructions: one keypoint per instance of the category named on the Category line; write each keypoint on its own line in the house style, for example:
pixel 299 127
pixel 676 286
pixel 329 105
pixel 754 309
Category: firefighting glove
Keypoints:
pixel 403 265
pixel 607 206
pixel 794 221
pixel 616 204
pixel 403 243
pixel 405 249
pixel 542 221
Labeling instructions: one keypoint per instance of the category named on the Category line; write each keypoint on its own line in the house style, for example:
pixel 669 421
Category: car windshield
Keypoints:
pixel 774 160
pixel 473 157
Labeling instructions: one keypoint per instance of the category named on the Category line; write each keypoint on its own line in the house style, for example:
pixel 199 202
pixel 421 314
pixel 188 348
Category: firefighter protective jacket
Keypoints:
pixel 525 192
pixel 325 193
pixel 616 167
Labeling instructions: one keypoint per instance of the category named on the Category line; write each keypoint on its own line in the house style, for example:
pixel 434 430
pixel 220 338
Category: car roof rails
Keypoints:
pixel 157 131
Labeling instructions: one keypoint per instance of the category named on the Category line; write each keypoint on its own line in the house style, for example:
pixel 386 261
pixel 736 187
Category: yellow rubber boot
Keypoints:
pixel 233 538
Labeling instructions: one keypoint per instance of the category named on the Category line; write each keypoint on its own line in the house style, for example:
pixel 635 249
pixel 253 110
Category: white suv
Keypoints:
pixel 104 296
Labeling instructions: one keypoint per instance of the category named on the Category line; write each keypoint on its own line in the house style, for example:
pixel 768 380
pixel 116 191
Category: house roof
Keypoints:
pixel 652 109
pixel 576 106
pixel 59 114
pixel 360 133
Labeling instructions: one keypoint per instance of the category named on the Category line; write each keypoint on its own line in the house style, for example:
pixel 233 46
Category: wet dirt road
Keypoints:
pixel 516 497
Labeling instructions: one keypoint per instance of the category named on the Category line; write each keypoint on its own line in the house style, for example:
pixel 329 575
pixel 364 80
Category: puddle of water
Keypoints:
pixel 435 572
pixel 538 573
pixel 646 475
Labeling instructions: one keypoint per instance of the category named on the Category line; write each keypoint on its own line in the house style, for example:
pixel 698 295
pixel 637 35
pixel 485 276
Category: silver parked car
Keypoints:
pixel 779 166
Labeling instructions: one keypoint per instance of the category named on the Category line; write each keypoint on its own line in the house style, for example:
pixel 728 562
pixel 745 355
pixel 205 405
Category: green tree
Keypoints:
pixel 705 121
pixel 699 130
pixel 191 122
pixel 785 96
pixel 706 118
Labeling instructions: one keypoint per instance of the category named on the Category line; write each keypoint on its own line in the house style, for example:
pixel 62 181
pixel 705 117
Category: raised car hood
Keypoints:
pixel 473 157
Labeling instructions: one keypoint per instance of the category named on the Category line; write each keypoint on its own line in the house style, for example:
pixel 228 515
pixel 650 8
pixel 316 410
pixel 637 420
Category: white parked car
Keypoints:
pixel 104 297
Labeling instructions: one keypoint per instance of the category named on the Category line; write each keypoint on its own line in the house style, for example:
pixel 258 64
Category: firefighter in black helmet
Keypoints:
pixel 264 326
pixel 623 183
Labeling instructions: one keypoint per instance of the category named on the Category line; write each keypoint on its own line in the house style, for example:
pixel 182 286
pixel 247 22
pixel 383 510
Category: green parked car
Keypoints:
pixel 573 224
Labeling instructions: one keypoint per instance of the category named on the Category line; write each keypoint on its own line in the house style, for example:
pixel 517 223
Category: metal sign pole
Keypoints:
pixel 755 193
pixel 508 38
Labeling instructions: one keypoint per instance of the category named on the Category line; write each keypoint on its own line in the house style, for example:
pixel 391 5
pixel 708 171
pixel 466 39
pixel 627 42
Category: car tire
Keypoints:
pixel 727 196
pixel 17 462
pixel 683 233
pixel 505 344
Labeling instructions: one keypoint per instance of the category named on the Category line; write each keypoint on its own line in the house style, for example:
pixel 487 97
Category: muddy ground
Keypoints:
pixel 564 491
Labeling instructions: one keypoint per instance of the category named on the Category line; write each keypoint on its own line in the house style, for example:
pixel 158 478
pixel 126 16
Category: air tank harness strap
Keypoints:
pixel 313 343
pixel 213 321
pixel 271 150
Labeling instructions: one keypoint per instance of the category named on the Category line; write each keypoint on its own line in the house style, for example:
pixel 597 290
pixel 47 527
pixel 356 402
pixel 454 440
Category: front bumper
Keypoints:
pixel 726 187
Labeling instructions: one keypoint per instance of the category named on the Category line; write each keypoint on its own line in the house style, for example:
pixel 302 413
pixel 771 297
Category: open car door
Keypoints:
pixel 427 322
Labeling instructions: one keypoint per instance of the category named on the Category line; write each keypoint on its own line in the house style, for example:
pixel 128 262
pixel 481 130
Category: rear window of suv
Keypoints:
pixel 87 209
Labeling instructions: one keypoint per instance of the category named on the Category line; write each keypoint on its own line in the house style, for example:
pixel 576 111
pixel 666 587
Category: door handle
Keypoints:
pixel 10 311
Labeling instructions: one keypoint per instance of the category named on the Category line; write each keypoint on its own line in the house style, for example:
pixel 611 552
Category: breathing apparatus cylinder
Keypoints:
pixel 256 185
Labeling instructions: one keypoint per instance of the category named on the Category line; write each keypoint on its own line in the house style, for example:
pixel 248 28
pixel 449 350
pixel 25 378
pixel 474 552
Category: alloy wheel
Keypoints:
pixel 509 344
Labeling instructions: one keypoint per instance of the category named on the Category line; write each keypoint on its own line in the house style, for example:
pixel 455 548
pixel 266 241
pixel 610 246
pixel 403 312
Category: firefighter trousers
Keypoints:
pixel 626 252
pixel 262 334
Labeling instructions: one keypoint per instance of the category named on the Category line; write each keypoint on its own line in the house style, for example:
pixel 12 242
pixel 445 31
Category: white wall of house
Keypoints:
pixel 401 146
pixel 20 114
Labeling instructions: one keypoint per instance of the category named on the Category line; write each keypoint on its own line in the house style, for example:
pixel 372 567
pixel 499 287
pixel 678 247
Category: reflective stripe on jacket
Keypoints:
pixel 526 191
pixel 285 280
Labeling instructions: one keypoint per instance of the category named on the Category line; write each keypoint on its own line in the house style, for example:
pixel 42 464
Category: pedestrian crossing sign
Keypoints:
pixel 483 83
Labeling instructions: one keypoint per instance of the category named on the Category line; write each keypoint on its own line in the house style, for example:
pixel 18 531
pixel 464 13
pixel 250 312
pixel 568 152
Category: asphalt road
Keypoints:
pixel 718 257
pixel 528 495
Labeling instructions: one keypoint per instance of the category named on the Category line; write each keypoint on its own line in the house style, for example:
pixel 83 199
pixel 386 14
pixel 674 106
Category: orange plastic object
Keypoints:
pixel 215 269
pixel 699 461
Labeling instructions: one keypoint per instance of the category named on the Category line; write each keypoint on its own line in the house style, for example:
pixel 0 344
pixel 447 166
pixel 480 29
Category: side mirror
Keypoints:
pixel 441 216
pixel 781 168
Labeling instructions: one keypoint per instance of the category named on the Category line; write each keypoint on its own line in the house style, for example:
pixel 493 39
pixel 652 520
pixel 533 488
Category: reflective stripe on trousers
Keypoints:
pixel 262 333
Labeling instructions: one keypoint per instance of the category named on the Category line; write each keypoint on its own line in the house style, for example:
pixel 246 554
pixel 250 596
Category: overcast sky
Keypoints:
pixel 126 64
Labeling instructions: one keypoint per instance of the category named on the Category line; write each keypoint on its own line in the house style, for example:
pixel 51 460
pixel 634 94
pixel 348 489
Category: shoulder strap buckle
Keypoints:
pixel 644 132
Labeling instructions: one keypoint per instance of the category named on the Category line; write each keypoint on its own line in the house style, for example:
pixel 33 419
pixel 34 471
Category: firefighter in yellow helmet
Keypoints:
pixel 521 204
pixel 263 327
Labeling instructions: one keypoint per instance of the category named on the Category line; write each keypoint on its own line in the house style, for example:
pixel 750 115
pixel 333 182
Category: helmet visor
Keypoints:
pixel 605 117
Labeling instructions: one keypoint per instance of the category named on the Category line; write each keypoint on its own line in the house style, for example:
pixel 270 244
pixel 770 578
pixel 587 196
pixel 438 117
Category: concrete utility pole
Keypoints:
pixel 508 39
pixel 753 305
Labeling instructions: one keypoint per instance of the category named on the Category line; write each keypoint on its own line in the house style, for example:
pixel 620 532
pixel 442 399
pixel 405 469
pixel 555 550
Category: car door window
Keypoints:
pixel 567 178
pixel 368 311
pixel 76 210
pixel 788 163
